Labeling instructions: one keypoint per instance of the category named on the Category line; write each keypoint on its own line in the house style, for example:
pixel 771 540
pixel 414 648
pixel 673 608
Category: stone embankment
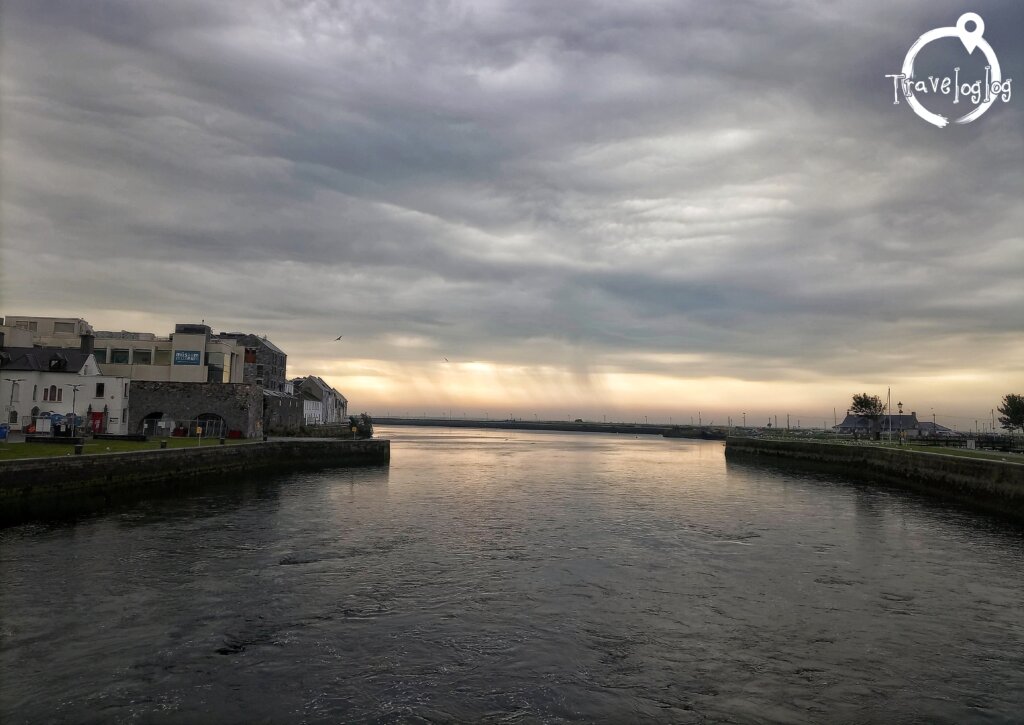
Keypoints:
pixel 991 484
pixel 37 481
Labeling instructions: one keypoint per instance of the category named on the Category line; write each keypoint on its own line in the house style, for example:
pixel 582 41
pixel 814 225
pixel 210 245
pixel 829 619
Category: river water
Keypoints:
pixel 518 577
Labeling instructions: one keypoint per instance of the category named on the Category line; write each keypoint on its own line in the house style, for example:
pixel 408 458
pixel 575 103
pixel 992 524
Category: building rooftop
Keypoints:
pixel 44 359
pixel 262 338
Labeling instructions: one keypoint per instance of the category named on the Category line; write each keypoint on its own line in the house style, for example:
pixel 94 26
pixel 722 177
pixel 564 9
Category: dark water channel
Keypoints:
pixel 518 577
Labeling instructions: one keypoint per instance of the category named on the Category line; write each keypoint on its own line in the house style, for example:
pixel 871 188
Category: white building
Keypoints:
pixel 40 387
pixel 320 402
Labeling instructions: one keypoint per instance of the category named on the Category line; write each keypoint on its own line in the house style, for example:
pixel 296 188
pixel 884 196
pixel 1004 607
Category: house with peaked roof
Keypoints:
pixel 264 363
pixel 320 402
pixel 897 423
pixel 863 425
pixel 42 387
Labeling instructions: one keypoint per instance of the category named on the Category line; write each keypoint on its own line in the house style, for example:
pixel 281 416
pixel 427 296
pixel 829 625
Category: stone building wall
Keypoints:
pixel 282 413
pixel 239 404
pixel 261 362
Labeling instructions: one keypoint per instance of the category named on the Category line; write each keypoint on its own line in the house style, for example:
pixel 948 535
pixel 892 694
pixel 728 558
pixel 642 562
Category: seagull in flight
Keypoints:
pixel 338 337
pixel 446 359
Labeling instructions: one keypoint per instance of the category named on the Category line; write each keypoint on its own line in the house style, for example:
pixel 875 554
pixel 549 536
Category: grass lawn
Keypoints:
pixel 964 452
pixel 916 448
pixel 11 451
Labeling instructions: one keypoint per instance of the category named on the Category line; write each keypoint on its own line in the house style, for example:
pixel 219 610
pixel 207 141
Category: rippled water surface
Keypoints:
pixel 521 577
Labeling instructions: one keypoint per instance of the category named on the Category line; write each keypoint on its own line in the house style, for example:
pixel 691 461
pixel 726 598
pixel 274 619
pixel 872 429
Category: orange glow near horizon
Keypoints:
pixel 479 388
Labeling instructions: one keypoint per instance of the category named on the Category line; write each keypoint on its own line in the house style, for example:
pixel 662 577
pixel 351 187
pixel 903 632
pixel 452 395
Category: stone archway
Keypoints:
pixel 212 424
pixel 150 424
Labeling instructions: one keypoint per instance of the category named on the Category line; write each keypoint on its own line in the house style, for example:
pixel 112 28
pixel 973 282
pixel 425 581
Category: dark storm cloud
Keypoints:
pixel 728 179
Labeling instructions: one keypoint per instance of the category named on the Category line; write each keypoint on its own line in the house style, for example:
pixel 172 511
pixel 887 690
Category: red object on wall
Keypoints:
pixel 96 422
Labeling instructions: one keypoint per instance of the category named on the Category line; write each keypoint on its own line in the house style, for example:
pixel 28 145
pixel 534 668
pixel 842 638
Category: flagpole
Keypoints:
pixel 888 409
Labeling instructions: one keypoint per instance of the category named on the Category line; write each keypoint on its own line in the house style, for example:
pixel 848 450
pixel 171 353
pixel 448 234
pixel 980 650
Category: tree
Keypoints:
pixel 870 407
pixel 1012 409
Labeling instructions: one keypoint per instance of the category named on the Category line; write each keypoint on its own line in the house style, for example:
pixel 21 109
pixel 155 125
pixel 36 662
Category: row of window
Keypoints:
pixel 123 356
pixel 141 356
pixel 59 328
pixel 55 393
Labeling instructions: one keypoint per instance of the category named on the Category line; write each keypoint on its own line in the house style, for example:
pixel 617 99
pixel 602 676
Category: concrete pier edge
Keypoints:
pixel 38 480
pixel 988 484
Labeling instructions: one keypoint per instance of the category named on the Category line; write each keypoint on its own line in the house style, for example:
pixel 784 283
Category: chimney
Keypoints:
pixel 88 343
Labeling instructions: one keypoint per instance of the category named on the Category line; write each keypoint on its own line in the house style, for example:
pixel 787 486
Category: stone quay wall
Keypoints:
pixel 239 404
pixel 991 484
pixel 35 479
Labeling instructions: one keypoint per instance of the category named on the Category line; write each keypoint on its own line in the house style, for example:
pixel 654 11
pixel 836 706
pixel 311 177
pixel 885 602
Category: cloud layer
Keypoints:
pixel 683 190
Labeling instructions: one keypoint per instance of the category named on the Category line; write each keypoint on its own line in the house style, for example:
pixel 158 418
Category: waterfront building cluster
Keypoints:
pixel 58 373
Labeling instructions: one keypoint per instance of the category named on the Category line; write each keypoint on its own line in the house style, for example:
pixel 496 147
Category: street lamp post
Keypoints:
pixel 10 404
pixel 74 396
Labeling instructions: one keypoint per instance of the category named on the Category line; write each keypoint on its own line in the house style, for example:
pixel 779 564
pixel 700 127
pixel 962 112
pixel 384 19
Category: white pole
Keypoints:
pixel 888 409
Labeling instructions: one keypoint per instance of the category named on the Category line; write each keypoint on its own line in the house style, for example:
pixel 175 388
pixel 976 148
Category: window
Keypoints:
pixel 13 418
pixel 163 357
pixel 99 390
pixel 119 357
pixel 26 325
pixel 126 390
pixel 142 357
pixel 63 328
pixel 53 394
pixel 35 392
pixel 15 392
pixel 100 354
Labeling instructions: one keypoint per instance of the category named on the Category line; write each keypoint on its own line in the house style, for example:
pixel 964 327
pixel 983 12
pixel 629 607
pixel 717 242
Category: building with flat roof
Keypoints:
pixel 191 354
pixel 50 331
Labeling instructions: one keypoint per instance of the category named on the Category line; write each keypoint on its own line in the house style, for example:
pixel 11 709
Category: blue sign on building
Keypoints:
pixel 187 357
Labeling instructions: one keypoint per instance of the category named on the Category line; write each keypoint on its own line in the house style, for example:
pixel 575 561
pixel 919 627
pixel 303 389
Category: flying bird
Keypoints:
pixel 446 359
pixel 338 337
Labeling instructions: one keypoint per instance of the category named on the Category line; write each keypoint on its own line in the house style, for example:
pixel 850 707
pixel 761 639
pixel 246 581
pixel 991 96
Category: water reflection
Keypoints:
pixel 495 575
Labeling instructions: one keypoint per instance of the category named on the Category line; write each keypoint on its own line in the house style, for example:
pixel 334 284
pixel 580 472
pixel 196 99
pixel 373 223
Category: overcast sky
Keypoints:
pixel 620 208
